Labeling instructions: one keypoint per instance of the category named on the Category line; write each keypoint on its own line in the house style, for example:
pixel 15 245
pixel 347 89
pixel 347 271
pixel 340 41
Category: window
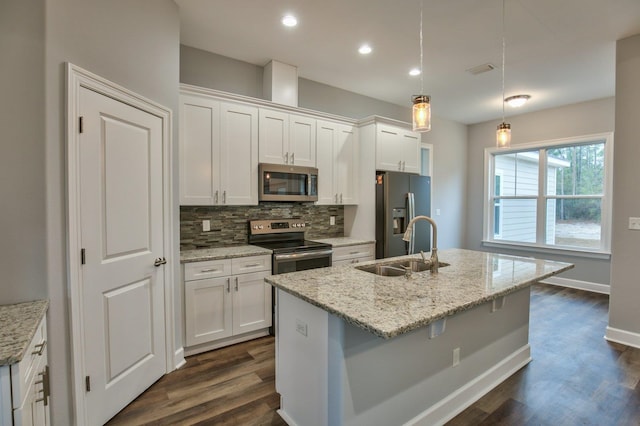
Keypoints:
pixel 552 194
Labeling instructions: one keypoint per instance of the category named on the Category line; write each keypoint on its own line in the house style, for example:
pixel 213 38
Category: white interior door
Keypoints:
pixel 121 232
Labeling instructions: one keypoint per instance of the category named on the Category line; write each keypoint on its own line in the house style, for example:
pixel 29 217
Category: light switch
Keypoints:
pixel 634 223
pixel 206 225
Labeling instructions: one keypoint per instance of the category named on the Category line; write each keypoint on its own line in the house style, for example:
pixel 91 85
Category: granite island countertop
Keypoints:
pixel 200 255
pixel 391 306
pixel 18 324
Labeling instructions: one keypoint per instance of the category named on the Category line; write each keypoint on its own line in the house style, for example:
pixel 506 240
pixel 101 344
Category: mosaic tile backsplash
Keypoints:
pixel 229 223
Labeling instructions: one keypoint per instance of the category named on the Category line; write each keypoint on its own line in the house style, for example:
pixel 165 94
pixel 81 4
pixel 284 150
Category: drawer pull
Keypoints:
pixel 236 283
pixel 210 270
pixel 253 265
pixel 39 349
pixel 354 252
pixel 229 285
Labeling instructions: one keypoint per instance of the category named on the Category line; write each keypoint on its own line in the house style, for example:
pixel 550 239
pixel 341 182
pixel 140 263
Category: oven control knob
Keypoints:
pixel 302 224
pixel 260 226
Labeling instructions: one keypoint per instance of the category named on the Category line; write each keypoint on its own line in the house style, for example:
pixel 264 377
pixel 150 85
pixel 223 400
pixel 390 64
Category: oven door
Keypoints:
pixel 291 262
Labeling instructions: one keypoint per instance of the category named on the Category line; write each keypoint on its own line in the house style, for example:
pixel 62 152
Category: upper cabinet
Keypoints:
pixel 286 138
pixel 397 149
pixel 338 163
pixel 218 152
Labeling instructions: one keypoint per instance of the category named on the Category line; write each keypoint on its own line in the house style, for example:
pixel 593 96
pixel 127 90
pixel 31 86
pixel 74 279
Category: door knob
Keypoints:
pixel 159 261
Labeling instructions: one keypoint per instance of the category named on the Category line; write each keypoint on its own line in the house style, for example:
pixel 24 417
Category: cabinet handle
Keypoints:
pixel 39 348
pixel 252 265
pixel 228 285
pixel 341 198
pixel 354 252
pixel 293 161
pixel 404 166
pixel 209 270
pixel 400 165
pixel 224 197
pixel 336 198
pixel 286 158
pixel 236 283
pixel 215 198
pixel 45 386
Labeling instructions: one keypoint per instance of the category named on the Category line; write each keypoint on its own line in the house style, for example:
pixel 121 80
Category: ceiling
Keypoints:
pixel 558 51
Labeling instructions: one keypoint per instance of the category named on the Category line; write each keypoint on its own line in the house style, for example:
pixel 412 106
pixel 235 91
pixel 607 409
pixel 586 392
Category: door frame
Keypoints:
pixel 76 79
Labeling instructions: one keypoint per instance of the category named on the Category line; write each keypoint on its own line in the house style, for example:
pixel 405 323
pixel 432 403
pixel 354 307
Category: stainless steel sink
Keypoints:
pixel 396 269
pixel 383 270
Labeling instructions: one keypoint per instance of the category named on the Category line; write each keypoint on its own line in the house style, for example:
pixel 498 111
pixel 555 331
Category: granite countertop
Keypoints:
pixel 343 241
pixel 391 306
pixel 18 324
pixel 199 255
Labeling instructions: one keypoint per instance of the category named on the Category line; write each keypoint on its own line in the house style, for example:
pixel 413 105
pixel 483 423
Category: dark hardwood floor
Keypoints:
pixel 576 378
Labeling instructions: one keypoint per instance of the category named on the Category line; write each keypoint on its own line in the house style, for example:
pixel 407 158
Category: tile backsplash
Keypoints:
pixel 229 223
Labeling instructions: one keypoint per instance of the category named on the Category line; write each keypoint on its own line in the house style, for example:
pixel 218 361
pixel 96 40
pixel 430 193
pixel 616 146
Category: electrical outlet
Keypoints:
pixel 301 327
pixel 332 220
pixel 456 357
pixel 634 223
pixel 206 225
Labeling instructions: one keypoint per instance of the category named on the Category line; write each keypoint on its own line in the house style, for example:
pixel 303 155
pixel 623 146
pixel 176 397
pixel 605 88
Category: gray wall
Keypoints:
pixel 22 161
pixel 568 121
pixel 624 313
pixel 134 44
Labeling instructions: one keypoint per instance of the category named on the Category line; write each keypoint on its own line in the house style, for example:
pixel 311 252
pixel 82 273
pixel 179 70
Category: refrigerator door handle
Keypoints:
pixel 411 213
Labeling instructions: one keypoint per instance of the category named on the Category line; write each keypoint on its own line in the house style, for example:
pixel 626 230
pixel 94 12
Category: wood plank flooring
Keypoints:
pixel 576 378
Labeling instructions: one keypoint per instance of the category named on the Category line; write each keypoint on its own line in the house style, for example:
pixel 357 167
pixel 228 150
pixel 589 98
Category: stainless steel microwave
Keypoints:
pixel 280 182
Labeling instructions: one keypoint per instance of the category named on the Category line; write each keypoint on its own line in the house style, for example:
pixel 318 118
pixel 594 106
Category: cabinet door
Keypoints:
pixel 388 152
pixel 208 307
pixel 346 165
pixel 410 151
pixel 302 141
pixel 238 160
pixel 199 145
pixel 251 302
pixel 273 137
pixel 326 133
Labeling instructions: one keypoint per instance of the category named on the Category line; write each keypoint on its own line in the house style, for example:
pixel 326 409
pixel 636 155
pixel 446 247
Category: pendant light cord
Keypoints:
pixel 504 47
pixel 421 70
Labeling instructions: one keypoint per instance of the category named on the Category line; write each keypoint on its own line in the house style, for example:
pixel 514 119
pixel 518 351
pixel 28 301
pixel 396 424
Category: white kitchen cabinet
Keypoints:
pixel 218 152
pixel 24 386
pixel 338 163
pixel 286 138
pixel 346 255
pixel 397 149
pixel 226 300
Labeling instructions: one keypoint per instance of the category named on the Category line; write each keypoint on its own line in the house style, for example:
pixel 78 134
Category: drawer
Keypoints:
pixel 207 269
pixel 24 372
pixel 353 252
pixel 245 265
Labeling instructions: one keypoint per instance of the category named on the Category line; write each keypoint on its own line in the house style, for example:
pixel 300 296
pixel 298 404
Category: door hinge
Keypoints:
pixel 82 257
pixel 87 383
pixel 81 124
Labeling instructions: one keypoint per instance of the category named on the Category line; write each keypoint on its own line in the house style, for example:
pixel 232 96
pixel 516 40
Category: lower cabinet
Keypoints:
pixel 226 301
pixel 27 382
pixel 353 254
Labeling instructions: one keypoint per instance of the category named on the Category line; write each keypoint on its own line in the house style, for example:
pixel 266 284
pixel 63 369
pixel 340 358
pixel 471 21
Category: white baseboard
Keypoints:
pixel 449 407
pixel 622 336
pixel 288 420
pixel 577 284
pixel 216 344
pixel 178 358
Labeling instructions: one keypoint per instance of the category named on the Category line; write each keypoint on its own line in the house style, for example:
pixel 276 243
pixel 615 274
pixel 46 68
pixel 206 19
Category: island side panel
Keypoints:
pixel 351 377
pixel 302 361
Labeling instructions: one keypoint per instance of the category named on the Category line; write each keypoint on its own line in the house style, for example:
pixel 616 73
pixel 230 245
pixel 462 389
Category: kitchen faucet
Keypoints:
pixel 408 235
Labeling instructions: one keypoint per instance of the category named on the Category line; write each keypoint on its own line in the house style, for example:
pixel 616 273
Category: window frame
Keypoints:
pixel 604 251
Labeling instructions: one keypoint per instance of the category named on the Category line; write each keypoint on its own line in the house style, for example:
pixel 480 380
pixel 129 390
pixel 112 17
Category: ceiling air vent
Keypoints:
pixel 479 69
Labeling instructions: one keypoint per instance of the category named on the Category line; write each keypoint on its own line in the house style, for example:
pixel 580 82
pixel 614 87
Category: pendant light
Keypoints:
pixel 421 111
pixel 503 134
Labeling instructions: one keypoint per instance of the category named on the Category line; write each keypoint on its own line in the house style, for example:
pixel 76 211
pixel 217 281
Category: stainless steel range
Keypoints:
pixel 291 252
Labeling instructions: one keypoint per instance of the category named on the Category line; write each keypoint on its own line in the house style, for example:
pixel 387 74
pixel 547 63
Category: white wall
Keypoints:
pixel 134 44
pixel 624 311
pixel 567 121
pixel 22 171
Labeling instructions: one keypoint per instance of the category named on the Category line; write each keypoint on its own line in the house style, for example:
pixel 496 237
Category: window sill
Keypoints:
pixel 558 251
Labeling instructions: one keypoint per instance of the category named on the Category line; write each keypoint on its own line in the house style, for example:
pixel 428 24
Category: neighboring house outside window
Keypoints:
pixel 552 194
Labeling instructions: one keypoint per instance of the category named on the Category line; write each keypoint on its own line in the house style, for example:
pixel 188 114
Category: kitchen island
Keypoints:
pixel 355 348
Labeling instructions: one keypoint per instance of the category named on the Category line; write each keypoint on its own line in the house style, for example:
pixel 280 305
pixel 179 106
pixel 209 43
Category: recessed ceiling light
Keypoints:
pixel 289 21
pixel 365 49
pixel 414 72
pixel 517 100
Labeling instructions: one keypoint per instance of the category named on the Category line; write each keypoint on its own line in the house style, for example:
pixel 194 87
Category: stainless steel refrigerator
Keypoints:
pixel 394 211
